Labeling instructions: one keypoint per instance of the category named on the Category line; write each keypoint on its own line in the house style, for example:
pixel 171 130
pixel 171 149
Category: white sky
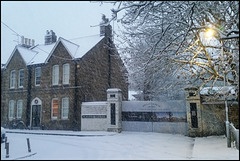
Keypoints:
pixel 116 146
pixel 31 19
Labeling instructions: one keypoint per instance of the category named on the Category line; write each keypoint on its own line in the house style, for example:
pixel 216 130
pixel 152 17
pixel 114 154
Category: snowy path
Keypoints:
pixel 115 146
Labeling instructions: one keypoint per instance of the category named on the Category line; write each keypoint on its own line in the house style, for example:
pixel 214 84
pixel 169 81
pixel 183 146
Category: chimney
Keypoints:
pixel 50 37
pixel 33 42
pixel 22 40
pixel 105 27
pixel 25 42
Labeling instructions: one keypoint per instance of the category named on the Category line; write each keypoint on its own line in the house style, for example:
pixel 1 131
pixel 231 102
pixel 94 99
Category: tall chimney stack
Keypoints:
pixel 50 37
pixel 105 27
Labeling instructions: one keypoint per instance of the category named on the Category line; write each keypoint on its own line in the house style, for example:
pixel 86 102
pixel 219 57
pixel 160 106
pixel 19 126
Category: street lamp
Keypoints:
pixel 225 98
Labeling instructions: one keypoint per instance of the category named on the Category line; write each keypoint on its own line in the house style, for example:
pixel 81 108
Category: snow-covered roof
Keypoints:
pixel 217 90
pixel 86 44
pixel 25 53
pixel 41 53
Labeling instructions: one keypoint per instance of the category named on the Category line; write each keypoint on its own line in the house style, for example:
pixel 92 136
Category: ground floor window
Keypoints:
pixel 11 109
pixel 54 108
pixel 65 108
pixel 19 108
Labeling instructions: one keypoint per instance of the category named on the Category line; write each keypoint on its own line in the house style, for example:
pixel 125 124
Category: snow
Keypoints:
pixel 95 103
pixel 85 44
pixel 71 47
pixel 101 145
pixel 43 53
pixel 219 90
pixel 40 53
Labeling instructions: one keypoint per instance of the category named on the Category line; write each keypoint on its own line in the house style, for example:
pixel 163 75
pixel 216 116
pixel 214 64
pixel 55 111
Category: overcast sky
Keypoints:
pixel 31 19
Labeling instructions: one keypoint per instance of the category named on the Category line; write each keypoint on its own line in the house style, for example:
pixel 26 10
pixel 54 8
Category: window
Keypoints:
pixel 19 108
pixel 11 109
pixel 12 79
pixel 21 78
pixel 65 107
pixel 55 75
pixel 37 76
pixel 54 108
pixel 66 73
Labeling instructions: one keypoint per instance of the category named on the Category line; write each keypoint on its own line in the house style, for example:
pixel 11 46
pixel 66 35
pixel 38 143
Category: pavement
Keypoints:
pixel 61 132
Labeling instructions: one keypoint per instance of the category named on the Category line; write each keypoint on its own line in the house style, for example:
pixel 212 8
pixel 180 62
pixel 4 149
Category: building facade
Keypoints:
pixel 43 86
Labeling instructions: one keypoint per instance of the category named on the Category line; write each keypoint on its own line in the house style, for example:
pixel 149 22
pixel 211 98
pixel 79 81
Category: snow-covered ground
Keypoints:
pixel 114 146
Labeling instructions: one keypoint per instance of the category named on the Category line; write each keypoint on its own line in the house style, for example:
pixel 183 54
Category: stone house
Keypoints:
pixel 45 85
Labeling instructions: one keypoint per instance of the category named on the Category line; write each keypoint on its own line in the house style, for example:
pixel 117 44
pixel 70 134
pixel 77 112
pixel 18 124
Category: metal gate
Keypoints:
pixel 153 116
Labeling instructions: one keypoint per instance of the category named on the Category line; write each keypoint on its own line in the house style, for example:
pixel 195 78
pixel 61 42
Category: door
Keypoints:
pixel 36 111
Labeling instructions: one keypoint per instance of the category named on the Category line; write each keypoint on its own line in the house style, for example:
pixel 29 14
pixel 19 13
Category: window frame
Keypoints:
pixel 65 107
pixel 20 79
pixel 19 107
pixel 55 75
pixel 52 109
pixel 66 73
pixel 11 110
pixel 36 76
pixel 12 79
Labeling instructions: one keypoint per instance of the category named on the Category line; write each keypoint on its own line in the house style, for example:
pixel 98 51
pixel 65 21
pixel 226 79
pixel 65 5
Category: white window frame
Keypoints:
pixel 36 76
pixel 19 108
pixel 20 79
pixel 11 110
pixel 12 79
pixel 65 107
pixel 66 73
pixel 52 108
pixel 55 75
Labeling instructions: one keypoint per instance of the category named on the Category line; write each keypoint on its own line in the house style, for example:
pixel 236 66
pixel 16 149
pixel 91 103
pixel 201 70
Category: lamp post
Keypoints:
pixel 209 33
pixel 225 98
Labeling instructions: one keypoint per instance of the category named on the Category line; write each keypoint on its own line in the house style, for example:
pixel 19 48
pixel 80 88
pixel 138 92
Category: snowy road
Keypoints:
pixel 113 146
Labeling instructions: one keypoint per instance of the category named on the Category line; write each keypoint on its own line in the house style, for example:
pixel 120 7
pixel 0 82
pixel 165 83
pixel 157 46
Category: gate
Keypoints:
pixel 154 116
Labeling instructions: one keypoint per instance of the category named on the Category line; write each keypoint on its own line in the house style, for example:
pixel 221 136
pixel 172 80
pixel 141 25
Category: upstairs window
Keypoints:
pixel 38 76
pixel 12 79
pixel 21 78
pixel 66 72
pixel 55 75
pixel 19 108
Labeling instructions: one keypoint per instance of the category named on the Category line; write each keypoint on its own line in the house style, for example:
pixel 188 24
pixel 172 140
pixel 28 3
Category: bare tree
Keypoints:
pixel 157 34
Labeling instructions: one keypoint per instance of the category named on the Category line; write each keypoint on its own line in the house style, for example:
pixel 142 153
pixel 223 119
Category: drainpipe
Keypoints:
pixel 75 114
pixel 109 67
pixel 29 88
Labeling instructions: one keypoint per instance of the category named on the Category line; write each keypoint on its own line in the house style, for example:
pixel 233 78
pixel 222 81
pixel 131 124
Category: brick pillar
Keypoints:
pixel 114 110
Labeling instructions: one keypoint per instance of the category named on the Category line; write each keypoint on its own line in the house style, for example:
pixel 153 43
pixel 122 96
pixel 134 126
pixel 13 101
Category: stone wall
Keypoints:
pixel 94 116
pixel 233 112
pixel 213 119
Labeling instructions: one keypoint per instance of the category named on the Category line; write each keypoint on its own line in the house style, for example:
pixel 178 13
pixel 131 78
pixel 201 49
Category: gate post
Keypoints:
pixel 193 108
pixel 114 110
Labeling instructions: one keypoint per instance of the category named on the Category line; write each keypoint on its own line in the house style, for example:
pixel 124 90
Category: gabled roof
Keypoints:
pixel 25 53
pixel 70 47
pixel 43 52
pixel 86 44
pixel 39 54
